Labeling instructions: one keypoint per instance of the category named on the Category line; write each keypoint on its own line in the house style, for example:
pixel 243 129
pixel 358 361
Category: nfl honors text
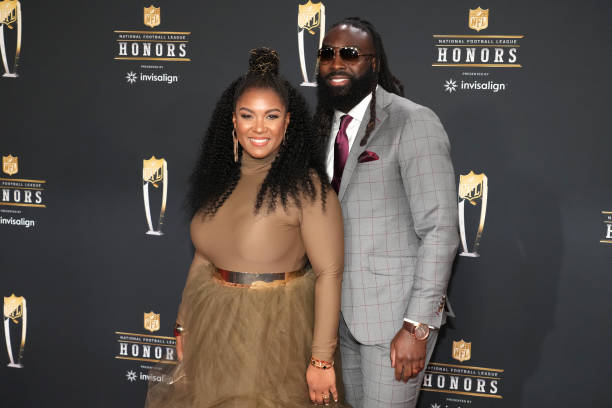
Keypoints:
pixel 152 45
pixel 460 379
pixel 477 50
pixel 153 50
pixel 477 55
pixel 18 195
pixel 147 349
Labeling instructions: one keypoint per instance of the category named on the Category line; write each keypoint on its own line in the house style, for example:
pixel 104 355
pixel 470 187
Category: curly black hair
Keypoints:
pixel 294 171
pixel 389 82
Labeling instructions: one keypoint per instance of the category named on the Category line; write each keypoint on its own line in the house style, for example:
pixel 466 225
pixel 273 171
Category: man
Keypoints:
pixel 389 161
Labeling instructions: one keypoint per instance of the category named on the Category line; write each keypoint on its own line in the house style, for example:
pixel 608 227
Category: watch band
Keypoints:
pixel 411 328
pixel 415 323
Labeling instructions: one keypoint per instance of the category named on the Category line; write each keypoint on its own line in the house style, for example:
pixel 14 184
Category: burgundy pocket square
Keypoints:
pixel 367 156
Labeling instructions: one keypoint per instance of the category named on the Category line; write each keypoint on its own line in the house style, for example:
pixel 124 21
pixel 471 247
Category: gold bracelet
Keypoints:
pixel 322 364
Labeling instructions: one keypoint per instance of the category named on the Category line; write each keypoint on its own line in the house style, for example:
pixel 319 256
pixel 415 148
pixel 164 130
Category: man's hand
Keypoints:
pixel 407 355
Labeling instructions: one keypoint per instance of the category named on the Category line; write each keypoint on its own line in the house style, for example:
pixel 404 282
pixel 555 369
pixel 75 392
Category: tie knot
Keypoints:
pixel 344 122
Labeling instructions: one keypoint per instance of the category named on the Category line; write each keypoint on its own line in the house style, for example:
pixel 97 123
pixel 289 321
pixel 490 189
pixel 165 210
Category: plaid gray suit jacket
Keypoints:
pixel 400 222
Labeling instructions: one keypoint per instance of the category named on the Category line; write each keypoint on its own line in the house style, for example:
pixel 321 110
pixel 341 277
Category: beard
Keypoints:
pixel 344 98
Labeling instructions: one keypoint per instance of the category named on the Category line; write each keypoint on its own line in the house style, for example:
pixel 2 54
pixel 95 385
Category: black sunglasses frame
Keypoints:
pixel 351 54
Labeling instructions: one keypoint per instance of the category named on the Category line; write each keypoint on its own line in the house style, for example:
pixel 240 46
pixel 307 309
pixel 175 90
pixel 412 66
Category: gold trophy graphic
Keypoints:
pixel 15 310
pixel 154 172
pixel 472 187
pixel 10 16
pixel 310 16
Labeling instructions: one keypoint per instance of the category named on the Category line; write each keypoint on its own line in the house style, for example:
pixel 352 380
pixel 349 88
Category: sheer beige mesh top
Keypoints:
pixel 237 239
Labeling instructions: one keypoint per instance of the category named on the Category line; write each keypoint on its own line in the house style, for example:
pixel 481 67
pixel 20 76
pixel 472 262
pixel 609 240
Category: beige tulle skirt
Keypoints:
pixel 243 347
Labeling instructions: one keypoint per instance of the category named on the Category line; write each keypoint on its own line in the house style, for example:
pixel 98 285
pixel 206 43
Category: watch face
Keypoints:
pixel 421 332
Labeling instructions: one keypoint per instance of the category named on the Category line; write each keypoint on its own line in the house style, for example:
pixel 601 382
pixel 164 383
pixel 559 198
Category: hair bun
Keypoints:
pixel 263 60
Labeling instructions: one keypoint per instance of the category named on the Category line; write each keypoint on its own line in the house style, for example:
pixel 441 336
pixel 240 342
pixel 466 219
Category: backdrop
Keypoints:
pixel 103 116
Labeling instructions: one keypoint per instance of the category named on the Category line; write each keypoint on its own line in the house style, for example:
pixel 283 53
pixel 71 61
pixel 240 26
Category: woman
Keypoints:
pixel 262 209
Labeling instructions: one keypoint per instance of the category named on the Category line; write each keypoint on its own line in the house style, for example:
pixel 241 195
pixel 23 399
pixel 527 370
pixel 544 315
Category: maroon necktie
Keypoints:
pixel 341 151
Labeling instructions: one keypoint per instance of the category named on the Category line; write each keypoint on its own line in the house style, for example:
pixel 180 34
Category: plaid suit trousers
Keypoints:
pixel 369 380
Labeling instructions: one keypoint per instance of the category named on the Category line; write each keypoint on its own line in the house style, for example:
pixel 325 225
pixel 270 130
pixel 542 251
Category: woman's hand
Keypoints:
pixel 320 384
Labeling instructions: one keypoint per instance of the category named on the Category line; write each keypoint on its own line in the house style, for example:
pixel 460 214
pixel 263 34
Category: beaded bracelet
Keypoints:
pixel 322 364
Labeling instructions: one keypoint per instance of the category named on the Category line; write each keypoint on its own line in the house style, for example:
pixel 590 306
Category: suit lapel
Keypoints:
pixel 382 100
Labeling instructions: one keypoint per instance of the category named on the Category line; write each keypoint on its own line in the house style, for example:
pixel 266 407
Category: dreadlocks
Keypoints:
pixel 384 78
pixel 216 174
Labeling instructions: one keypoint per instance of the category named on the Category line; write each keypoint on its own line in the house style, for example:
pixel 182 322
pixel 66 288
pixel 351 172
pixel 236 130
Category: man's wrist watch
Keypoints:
pixel 420 331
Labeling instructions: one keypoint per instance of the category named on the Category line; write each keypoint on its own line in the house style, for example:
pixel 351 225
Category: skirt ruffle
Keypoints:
pixel 243 347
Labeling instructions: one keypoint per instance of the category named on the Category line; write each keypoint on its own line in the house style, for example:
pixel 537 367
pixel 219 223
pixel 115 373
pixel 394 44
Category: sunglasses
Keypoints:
pixel 348 54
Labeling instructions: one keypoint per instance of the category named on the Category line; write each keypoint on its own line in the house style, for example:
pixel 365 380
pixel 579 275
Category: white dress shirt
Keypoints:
pixel 357 113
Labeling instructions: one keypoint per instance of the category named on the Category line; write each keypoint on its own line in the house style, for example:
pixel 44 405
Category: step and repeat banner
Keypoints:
pixel 104 105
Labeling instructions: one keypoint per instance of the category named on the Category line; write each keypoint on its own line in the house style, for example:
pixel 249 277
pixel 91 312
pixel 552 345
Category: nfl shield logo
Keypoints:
pixel 13 307
pixel 10 164
pixel 471 186
pixel 479 19
pixel 8 12
pixel 462 350
pixel 309 16
pixel 151 321
pixel 152 16
pixel 152 170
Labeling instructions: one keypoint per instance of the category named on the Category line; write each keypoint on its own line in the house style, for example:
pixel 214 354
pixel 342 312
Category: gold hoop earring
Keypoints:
pixel 235 145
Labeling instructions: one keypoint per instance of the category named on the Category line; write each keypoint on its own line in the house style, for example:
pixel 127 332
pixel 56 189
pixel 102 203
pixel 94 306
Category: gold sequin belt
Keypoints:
pixel 255 280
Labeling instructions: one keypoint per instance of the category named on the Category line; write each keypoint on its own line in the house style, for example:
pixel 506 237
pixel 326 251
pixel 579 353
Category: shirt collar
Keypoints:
pixel 358 110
